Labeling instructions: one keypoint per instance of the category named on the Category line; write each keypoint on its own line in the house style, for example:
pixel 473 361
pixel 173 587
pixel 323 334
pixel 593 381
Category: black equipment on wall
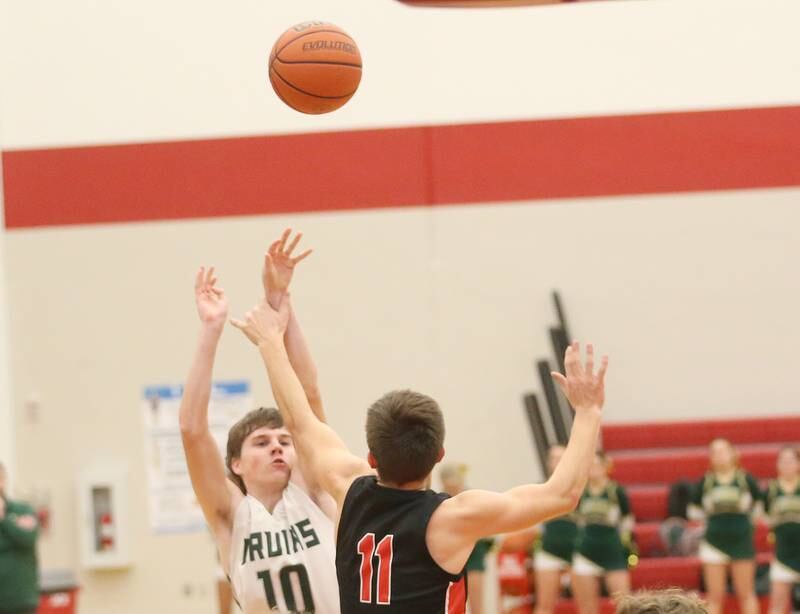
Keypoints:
pixel 540 438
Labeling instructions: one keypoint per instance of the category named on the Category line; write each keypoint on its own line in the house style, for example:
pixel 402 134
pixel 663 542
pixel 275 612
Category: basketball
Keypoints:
pixel 315 67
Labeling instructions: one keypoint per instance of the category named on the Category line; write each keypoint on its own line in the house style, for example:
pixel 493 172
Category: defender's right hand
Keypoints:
pixel 584 388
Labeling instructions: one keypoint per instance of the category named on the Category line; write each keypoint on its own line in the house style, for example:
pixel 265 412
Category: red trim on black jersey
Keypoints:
pixel 456 598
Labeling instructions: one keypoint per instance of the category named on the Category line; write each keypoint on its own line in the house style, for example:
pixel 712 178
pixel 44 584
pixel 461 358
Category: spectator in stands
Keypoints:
pixel 726 497
pixel 19 581
pixel 553 557
pixel 677 535
pixel 672 601
pixel 601 551
pixel 452 476
pixel 783 507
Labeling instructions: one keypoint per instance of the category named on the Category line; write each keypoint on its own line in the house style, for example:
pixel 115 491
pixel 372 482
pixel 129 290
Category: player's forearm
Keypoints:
pixel 286 387
pixel 572 471
pixel 197 389
pixel 300 357
pixel 303 364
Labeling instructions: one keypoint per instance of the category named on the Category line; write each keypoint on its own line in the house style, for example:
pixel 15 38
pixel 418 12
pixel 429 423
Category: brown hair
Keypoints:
pixel 671 601
pixel 255 419
pixel 405 434
pixel 795 450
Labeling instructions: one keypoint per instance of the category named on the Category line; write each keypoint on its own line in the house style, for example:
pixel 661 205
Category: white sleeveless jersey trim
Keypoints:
pixel 284 562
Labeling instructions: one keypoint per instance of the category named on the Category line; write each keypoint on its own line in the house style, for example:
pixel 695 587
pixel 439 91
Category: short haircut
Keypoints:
pixel 405 434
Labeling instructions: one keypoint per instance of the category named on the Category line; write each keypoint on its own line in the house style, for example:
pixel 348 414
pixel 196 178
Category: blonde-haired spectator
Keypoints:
pixel 672 601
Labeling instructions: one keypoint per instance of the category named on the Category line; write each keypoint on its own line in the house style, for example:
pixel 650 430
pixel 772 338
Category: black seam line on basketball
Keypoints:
pixel 275 89
pixel 294 87
pixel 317 62
pixel 278 52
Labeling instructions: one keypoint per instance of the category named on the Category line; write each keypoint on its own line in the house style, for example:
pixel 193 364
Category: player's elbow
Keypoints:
pixel 566 498
pixel 569 500
pixel 574 496
pixel 191 429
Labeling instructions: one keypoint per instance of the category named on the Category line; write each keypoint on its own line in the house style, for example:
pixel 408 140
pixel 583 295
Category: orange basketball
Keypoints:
pixel 315 67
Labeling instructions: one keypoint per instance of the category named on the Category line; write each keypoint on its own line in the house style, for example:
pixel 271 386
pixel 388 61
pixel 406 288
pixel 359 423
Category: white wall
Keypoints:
pixel 85 71
pixel 694 296
pixel 7 440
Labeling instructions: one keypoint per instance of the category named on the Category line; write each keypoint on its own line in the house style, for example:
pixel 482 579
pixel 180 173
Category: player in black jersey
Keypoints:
pixel 401 548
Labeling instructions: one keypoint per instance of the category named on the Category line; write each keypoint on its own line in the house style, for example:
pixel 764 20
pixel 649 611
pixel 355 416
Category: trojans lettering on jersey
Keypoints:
pixel 283 562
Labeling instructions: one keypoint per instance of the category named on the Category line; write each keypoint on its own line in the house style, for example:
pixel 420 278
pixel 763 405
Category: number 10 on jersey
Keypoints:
pixel 384 553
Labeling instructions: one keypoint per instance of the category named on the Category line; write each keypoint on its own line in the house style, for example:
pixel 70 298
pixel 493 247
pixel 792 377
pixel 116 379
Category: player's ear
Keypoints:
pixel 236 466
pixel 372 460
pixel 441 456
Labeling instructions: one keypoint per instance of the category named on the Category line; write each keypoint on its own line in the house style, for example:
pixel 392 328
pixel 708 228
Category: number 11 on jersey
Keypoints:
pixel 384 552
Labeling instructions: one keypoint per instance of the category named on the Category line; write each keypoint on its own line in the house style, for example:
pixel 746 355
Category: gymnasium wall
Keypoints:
pixel 7 449
pixel 687 281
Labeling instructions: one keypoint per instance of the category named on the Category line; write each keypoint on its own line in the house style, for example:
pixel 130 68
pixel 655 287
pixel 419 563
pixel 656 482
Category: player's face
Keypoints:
pixel 788 465
pixel 599 470
pixel 267 457
pixel 722 456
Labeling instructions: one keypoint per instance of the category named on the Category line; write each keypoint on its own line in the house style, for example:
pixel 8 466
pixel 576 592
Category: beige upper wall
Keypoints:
pixel 693 296
pixel 82 71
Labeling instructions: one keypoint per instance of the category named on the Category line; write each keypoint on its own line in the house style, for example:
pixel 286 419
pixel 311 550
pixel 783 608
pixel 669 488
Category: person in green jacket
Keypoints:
pixel 601 551
pixel 19 582
pixel 782 504
pixel 552 544
pixel 727 496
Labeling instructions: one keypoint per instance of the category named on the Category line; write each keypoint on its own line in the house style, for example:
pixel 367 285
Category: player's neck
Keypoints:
pixel 418 485
pixel 725 475
pixel 599 484
pixel 269 498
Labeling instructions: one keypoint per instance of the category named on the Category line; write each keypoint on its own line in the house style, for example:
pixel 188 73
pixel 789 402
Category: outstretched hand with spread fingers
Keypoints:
pixel 212 306
pixel 276 274
pixel 584 388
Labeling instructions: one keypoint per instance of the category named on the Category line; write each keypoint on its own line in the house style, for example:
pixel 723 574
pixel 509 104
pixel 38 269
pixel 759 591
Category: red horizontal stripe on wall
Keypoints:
pixel 211 178
pixel 629 154
pixel 505 161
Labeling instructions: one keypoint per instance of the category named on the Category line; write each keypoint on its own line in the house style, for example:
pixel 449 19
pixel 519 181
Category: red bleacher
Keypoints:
pixel 647 458
pixel 648 502
pixel 669 465
pixel 700 433
pixel 648 538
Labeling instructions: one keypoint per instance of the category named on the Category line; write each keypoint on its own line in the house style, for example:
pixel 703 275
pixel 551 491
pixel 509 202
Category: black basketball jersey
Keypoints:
pixel 382 559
